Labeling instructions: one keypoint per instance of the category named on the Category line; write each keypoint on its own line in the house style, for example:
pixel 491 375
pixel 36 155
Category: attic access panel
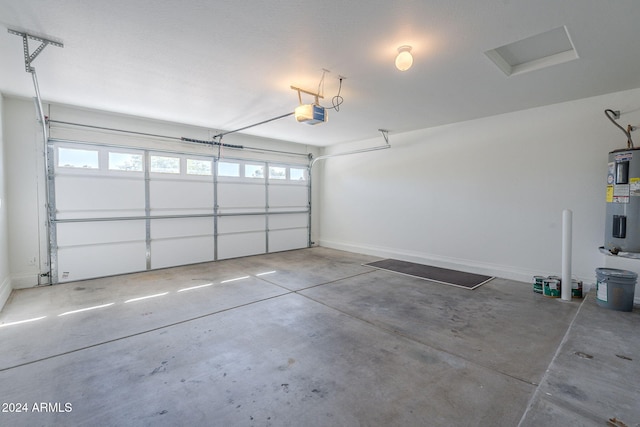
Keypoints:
pixel 533 53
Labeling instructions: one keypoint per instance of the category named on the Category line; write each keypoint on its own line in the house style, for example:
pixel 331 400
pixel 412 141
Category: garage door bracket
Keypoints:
pixel 30 57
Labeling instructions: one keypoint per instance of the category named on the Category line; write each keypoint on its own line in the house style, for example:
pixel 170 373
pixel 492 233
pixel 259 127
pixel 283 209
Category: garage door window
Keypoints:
pixel 198 167
pixel 253 171
pixel 163 164
pixel 76 158
pixel 296 174
pixel 277 173
pixel 229 169
pixel 125 162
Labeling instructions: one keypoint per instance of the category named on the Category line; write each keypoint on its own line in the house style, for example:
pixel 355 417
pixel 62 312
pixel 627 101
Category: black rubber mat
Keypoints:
pixel 428 272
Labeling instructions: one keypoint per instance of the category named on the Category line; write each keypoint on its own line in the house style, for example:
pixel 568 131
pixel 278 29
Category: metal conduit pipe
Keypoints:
pixel 220 135
pixel 364 150
pixel 385 134
pixel 39 105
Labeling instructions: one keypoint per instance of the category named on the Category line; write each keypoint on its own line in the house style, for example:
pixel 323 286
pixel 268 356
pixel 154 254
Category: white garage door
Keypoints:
pixel 120 210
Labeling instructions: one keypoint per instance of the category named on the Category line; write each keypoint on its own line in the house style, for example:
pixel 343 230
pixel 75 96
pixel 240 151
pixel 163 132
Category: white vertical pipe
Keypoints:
pixel 566 254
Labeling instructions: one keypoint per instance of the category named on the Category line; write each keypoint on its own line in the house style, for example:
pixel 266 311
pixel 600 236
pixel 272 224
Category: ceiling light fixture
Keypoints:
pixel 404 60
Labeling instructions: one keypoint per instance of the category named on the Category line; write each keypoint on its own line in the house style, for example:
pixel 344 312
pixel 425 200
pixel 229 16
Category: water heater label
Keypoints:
pixel 621 190
pixel 621 193
pixel 634 186
pixel 609 193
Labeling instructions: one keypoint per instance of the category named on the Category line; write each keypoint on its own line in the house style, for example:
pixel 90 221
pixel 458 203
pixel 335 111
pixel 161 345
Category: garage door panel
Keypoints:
pixel 181 241
pixel 181 196
pixel 284 240
pixel 244 223
pixel 288 221
pixel 231 195
pixel 288 196
pixel 181 227
pixel 181 251
pixel 237 245
pixel 91 233
pixel 96 197
pixel 84 262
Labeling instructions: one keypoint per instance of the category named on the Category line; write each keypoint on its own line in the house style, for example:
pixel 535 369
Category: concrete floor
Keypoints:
pixel 312 338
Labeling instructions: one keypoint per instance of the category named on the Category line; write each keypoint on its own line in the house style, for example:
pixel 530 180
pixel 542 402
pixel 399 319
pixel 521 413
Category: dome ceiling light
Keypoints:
pixel 404 60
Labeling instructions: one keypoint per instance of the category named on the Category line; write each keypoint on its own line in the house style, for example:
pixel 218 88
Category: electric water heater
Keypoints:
pixel 622 226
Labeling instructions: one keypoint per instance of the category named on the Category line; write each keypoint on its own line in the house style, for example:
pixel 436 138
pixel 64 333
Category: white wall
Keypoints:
pixel 484 196
pixel 5 280
pixel 23 151
pixel 25 167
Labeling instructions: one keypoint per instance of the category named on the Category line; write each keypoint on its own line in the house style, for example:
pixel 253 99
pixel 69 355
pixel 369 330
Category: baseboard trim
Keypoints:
pixel 470 266
pixel 5 291
pixel 24 281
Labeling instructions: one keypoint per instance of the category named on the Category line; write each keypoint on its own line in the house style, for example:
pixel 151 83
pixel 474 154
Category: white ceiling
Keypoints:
pixel 227 64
